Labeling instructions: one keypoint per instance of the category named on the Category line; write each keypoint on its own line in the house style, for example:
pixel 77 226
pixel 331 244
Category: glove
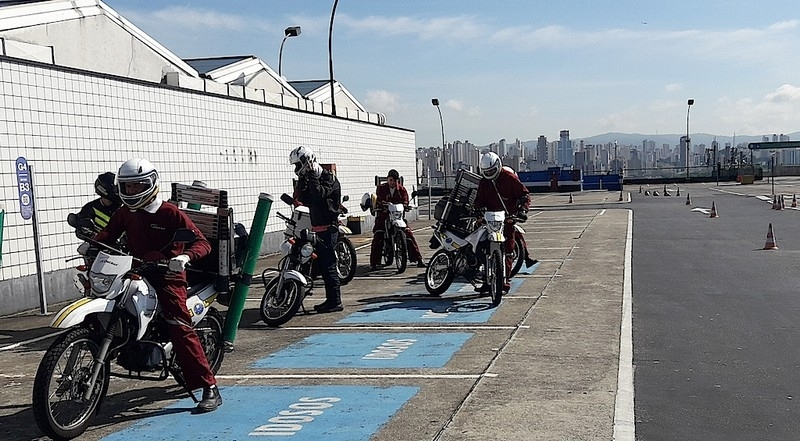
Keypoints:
pixel 178 263
pixel 522 216
pixel 83 249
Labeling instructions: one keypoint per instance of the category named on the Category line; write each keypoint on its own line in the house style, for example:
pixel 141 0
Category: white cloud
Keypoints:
pixel 787 92
pixel 456 105
pixel 673 87
pixel 382 101
pixel 194 19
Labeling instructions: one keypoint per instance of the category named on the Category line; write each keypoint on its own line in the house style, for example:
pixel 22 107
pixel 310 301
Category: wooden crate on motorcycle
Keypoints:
pixel 214 218
pixel 456 208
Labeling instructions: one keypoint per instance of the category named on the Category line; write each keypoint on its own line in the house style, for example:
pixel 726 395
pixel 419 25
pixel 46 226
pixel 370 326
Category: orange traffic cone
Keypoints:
pixel 620 196
pixel 640 189
pixel 678 192
pixel 714 210
pixel 794 201
pixel 782 204
pixel 570 198
pixel 774 202
pixel 688 201
pixel 770 245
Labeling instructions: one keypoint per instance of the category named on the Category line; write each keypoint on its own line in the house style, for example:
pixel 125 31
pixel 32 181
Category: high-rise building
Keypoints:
pixel 565 157
pixel 541 150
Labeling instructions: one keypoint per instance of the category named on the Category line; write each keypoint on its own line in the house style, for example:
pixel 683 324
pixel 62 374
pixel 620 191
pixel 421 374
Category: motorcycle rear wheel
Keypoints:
pixel 439 274
pixel 278 308
pixel 400 253
pixel 209 330
pixel 345 259
pixel 58 405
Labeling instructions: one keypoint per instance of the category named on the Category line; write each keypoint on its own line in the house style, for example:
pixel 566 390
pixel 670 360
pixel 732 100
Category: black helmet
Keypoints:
pixel 393 174
pixel 105 188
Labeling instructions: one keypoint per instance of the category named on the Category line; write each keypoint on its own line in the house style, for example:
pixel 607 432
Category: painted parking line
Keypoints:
pixel 297 412
pixel 367 350
pixel 419 307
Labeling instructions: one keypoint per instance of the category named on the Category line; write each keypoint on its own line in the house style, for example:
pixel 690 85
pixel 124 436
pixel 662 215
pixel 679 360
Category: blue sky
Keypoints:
pixel 519 68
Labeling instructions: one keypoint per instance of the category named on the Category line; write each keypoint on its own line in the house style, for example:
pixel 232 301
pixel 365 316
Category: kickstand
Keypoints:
pixel 178 376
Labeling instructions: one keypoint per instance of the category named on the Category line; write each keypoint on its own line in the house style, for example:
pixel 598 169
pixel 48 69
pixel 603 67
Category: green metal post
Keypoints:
pixel 254 240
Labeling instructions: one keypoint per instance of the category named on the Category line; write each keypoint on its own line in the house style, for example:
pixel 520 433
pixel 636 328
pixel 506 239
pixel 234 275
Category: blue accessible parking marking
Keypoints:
pixel 430 309
pixel 368 350
pixel 300 412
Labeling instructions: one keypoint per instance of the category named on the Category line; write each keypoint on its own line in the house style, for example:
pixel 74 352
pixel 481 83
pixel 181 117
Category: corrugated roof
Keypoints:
pixel 308 86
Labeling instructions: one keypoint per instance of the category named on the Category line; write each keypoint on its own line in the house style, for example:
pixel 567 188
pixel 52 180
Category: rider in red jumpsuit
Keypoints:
pixel 392 192
pixel 150 225
pixel 501 190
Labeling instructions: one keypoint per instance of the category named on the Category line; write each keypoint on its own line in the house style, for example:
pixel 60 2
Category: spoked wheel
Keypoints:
pixel 439 275
pixel 400 254
pixel 518 257
pixel 59 405
pixel 209 330
pixel 388 249
pixel 495 274
pixel 345 259
pixel 278 308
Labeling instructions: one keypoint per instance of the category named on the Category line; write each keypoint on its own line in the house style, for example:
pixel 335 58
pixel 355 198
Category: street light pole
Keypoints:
pixel 291 31
pixel 688 140
pixel 615 157
pixel 435 102
pixel 330 56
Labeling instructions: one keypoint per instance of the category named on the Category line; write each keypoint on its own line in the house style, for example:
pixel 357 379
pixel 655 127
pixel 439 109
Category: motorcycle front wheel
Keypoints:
pixel 59 407
pixel 400 253
pixel 439 275
pixel 495 274
pixel 278 308
pixel 345 259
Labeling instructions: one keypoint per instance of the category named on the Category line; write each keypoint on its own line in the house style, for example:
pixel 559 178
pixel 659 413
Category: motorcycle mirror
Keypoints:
pixel 184 235
pixel 414 194
pixel 73 221
pixel 287 199
pixel 345 198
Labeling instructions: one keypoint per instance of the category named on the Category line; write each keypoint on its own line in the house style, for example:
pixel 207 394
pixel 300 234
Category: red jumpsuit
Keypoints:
pixel 508 187
pixel 149 238
pixel 400 196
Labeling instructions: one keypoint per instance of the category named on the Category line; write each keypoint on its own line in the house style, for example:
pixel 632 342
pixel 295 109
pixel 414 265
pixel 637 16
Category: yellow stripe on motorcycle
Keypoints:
pixel 69 309
pixel 345 230
pixel 497 237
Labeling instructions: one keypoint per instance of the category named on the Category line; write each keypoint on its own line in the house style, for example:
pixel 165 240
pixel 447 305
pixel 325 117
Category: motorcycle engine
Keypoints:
pixel 141 357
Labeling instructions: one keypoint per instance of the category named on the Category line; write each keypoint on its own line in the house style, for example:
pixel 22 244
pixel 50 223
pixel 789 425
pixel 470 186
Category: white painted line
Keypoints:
pixel 602 212
pixel 353 376
pixel 33 340
pixel 624 422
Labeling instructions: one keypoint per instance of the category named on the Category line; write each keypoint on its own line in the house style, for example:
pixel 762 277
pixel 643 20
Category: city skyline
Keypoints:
pixel 519 67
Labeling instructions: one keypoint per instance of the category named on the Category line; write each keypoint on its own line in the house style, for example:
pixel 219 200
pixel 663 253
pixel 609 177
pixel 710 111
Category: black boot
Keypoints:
pixel 329 305
pixel 530 262
pixel 211 399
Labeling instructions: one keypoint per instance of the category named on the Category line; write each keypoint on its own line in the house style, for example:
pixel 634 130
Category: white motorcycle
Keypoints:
pixel 120 320
pixel 478 256
pixel 284 293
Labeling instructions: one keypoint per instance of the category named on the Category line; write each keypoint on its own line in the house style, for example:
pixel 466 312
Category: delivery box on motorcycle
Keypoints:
pixel 454 209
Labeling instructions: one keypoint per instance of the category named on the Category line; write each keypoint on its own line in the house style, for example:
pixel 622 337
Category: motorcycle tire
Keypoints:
pixel 400 252
pixel 518 257
pixel 345 259
pixel 209 330
pixel 495 276
pixel 56 380
pixel 439 274
pixel 388 250
pixel 278 308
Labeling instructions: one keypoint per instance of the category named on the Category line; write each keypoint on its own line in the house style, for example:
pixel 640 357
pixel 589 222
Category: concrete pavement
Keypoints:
pixel 544 365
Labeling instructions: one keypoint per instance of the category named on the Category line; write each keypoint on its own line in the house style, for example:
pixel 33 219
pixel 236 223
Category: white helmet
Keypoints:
pixel 303 159
pixel 138 171
pixel 490 165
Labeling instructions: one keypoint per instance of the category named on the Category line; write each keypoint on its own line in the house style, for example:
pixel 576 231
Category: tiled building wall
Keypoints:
pixel 73 125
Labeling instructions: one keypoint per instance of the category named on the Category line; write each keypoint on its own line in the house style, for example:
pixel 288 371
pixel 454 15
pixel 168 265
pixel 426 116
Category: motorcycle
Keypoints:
pixel 395 248
pixel 345 251
pixel 284 294
pixel 119 321
pixel 478 256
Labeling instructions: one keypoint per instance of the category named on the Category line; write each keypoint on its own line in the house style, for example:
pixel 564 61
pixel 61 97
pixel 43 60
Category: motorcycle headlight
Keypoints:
pixel 495 225
pixel 101 283
pixel 306 250
pixel 397 215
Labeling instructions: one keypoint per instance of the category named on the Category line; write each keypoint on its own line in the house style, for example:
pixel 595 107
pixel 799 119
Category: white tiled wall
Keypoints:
pixel 72 126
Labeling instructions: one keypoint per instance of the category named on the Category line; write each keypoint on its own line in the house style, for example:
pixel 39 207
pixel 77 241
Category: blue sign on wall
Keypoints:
pixel 25 188
pixel 368 350
pixel 292 412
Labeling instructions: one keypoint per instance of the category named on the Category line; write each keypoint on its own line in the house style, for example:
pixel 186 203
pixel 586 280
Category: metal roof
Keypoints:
pixel 206 65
